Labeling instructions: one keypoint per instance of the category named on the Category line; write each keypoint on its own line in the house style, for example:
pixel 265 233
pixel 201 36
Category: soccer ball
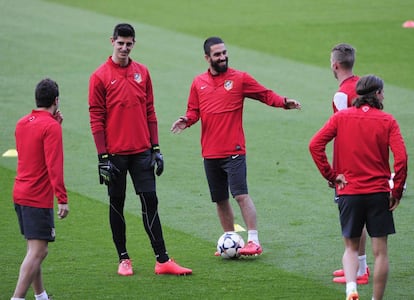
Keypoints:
pixel 229 244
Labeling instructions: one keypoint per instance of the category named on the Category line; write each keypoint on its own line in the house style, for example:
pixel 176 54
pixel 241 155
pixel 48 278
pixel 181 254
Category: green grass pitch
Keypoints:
pixel 286 46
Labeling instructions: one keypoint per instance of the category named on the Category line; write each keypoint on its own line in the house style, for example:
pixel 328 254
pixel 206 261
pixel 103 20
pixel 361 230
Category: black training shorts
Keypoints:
pixel 225 173
pixel 371 210
pixel 36 223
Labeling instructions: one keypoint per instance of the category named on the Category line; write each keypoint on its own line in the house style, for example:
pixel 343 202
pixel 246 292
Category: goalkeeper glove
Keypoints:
pixel 158 159
pixel 106 169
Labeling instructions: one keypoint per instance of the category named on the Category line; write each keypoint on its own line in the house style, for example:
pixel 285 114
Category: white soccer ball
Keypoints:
pixel 229 244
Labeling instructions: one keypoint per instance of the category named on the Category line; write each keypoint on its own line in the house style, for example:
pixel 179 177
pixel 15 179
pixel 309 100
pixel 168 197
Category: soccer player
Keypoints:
pixel 364 135
pixel 125 131
pixel 342 63
pixel 217 98
pixel 39 179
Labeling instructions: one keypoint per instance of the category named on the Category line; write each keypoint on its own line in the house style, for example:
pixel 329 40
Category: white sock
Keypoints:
pixel 14 298
pixel 42 296
pixel 253 235
pixel 350 287
pixel 362 265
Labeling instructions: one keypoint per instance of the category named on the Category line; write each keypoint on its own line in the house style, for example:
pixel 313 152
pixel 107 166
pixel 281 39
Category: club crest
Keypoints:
pixel 137 77
pixel 228 85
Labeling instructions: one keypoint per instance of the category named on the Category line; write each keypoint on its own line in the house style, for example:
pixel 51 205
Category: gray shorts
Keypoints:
pixel 36 223
pixel 371 210
pixel 224 174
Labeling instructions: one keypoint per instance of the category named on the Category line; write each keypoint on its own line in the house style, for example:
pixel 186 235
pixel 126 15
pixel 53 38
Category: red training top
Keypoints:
pixel 346 94
pixel 363 137
pixel 40 161
pixel 343 99
pixel 218 101
pixel 121 108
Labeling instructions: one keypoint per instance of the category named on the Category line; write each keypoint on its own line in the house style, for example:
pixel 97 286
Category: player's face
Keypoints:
pixel 122 48
pixel 218 58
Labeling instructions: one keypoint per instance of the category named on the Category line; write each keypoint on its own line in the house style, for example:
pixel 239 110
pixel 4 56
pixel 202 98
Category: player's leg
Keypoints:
pixel 219 191
pixel 225 215
pixel 143 178
pixel 380 224
pixel 116 192
pixel 362 257
pixel 350 259
pixel 352 217
pixel 248 210
pixel 37 226
pixel 37 283
pixel 31 266
pixel 381 267
pixel 237 176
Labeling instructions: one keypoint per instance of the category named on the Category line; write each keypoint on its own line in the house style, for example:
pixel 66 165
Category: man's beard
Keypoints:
pixel 220 68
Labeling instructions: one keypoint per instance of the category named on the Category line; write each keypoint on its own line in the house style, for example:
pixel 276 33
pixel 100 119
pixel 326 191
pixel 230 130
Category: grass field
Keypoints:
pixel 286 46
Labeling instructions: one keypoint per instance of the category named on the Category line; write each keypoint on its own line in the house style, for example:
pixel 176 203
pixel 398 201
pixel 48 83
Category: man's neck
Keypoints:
pixel 122 63
pixel 344 76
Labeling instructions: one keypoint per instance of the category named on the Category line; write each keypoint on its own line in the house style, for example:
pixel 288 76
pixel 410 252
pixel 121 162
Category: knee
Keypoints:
pixel 244 198
pixel 149 201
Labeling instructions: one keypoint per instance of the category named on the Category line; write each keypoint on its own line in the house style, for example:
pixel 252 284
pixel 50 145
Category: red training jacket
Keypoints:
pixel 218 101
pixel 363 137
pixel 121 108
pixel 40 161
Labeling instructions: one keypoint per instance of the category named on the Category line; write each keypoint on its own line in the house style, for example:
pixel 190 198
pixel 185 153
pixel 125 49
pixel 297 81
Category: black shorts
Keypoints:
pixel 225 173
pixel 140 170
pixel 371 210
pixel 36 223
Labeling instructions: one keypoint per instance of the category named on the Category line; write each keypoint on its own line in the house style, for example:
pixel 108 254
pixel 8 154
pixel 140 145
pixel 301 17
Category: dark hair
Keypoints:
pixel 46 92
pixel 367 88
pixel 124 30
pixel 214 40
pixel 344 54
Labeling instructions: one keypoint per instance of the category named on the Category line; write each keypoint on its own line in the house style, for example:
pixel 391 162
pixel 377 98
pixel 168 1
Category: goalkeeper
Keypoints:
pixel 125 131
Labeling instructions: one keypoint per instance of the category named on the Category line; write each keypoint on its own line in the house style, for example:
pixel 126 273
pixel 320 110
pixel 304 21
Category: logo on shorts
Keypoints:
pixel 234 156
pixel 53 233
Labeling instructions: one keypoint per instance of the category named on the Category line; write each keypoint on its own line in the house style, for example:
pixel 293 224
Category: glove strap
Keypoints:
pixel 155 148
pixel 103 156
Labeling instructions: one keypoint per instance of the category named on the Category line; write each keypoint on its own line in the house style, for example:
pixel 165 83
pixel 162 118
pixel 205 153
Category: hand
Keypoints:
pixel 158 159
pixel 394 202
pixel 179 125
pixel 292 104
pixel 341 181
pixel 58 116
pixel 63 210
pixel 106 169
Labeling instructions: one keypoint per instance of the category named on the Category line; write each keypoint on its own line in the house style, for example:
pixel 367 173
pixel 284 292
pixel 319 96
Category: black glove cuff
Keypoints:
pixel 103 157
pixel 155 148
